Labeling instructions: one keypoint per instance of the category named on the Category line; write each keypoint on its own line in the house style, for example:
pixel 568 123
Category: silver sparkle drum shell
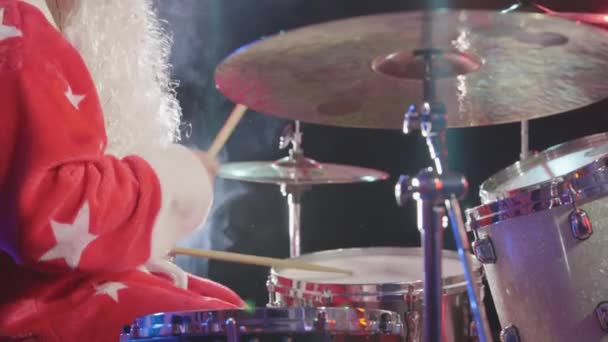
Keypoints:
pixel 388 278
pixel 542 235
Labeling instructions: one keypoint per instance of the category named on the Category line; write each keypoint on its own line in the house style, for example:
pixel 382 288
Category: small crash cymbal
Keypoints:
pixel 360 72
pixel 304 172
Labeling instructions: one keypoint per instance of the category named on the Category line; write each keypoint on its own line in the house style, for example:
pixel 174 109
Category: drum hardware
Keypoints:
pixel 320 322
pixel 296 174
pixel 509 334
pixel 601 312
pixel 232 331
pixel 580 222
pixel 525 124
pixel 484 250
pixel 177 325
pixel 322 74
pixel 283 323
pixel 387 278
pixel 134 332
pixel 413 320
pixel 435 190
pixel 537 212
pixel 294 194
pixel 272 298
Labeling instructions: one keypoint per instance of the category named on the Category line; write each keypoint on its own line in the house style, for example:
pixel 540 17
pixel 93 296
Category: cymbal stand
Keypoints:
pixel 524 5
pixel 525 140
pixel 293 136
pixel 434 190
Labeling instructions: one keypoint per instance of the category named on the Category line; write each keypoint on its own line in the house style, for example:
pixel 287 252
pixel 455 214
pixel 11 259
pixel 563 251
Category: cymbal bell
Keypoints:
pixel 298 172
pixel 361 72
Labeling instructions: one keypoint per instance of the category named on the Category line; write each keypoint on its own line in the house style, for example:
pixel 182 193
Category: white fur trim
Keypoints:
pixel 186 196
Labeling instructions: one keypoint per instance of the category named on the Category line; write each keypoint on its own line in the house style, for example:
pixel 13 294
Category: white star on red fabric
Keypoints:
pixel 110 288
pixel 7 31
pixel 73 98
pixel 71 239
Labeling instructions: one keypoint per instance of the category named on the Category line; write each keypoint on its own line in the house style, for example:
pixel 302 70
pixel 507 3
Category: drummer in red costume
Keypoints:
pixel 94 191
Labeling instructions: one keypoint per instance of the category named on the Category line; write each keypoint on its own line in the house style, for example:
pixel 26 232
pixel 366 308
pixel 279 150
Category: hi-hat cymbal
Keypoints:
pixel 304 172
pixel 496 68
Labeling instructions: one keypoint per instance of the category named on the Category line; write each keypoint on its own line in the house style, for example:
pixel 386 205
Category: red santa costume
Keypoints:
pixel 86 221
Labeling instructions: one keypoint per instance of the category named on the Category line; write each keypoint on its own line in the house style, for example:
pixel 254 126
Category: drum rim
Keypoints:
pixel 580 184
pixel 455 283
pixel 292 319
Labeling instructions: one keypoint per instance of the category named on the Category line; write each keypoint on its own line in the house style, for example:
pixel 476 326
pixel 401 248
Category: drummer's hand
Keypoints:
pixel 211 164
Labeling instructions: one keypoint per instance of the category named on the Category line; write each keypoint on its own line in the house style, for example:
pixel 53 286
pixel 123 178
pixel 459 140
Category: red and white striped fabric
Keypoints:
pixel 78 225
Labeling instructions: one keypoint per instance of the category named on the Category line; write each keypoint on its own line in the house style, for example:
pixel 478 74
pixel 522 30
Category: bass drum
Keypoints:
pixel 541 234
pixel 388 278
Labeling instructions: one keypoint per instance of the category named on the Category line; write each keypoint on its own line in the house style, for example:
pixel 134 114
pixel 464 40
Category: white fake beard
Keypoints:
pixel 126 51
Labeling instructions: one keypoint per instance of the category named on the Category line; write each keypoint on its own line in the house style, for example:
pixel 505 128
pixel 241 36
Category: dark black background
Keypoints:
pixel 253 218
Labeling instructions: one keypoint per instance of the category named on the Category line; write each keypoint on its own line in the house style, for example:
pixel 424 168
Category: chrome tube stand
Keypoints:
pixel 527 6
pixel 434 190
pixel 293 136
pixel 294 197
pixel 525 140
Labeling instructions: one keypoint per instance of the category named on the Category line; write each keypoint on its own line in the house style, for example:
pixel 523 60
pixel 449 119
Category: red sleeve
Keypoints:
pixel 64 204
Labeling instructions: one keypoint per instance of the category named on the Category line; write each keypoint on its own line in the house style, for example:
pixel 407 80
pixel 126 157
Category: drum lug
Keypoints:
pixel 386 325
pixel 327 297
pixel 414 326
pixel 232 332
pixel 484 250
pixel 509 334
pixel 177 322
pixel 601 311
pixel 320 323
pixel 135 331
pixel 272 296
pixel 580 224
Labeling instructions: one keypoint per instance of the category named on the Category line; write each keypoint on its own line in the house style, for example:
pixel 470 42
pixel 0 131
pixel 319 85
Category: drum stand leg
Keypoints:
pixel 432 240
pixel 432 189
pixel 293 136
pixel 294 197
pixel 525 140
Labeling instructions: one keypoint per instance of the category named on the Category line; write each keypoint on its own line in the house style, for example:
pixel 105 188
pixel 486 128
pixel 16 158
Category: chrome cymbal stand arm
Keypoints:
pixel 433 189
pixel 294 197
pixel 525 140
pixel 293 136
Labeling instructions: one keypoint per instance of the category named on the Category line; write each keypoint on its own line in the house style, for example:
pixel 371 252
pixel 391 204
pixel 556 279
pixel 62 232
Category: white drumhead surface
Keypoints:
pixel 371 266
pixel 559 166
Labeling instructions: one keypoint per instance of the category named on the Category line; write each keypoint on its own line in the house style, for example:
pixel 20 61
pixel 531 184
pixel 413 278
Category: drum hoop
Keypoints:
pixel 265 320
pixel 579 185
pixel 488 192
pixel 363 293
pixel 452 284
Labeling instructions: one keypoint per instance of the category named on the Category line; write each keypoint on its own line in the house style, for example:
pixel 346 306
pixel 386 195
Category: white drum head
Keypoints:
pixel 376 265
pixel 555 162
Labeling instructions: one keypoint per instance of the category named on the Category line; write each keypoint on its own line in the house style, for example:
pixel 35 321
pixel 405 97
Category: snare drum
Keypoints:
pixel 542 236
pixel 384 278
pixel 270 324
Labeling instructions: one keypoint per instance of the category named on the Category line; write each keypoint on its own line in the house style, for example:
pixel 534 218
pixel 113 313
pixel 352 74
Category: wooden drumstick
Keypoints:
pixel 226 130
pixel 257 260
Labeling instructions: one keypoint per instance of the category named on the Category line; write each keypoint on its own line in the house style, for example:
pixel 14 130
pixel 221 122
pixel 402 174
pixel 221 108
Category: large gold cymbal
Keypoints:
pixel 359 72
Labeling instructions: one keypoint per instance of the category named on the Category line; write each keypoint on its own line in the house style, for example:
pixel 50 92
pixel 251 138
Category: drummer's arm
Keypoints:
pixel 65 204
